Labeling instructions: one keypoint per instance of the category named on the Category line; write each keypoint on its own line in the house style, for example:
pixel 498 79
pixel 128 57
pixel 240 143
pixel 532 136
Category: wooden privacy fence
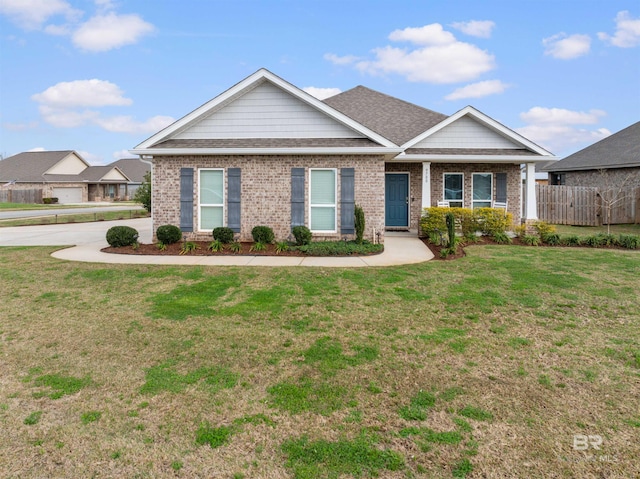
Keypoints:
pixel 21 196
pixel 583 206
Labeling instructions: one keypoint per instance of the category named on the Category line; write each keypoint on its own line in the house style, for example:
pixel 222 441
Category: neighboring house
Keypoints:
pixel 542 177
pixel 62 174
pixel 614 160
pixel 265 152
pixel 134 169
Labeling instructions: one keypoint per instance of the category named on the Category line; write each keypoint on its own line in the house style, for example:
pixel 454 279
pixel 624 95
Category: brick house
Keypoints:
pixel 265 152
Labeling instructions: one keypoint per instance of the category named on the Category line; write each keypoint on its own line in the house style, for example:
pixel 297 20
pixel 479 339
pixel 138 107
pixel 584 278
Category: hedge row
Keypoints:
pixel 488 221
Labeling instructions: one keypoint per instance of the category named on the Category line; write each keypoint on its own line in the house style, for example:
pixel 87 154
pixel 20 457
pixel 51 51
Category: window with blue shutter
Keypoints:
pixel 347 201
pixel 186 199
pixel 234 188
pixel 297 197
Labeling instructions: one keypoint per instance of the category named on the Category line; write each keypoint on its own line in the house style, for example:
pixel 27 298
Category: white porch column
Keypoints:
pixel 426 184
pixel 531 206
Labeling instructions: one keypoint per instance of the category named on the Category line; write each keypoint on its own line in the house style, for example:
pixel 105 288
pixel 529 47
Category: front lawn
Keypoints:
pixel 510 362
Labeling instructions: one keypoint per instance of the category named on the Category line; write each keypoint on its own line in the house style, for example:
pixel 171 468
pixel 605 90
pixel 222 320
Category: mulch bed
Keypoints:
pixel 203 250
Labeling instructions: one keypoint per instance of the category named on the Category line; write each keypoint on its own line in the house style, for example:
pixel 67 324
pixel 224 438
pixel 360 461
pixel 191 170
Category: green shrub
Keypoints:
pixel 552 239
pixel 570 240
pixel 339 248
pixel 262 234
pixel 258 246
pixel 235 247
pixel 594 241
pixel 122 236
pixel 501 237
pixel 215 246
pixel 49 201
pixel 168 234
pixel 543 228
pixel 359 223
pixel 451 230
pixel 188 247
pixel 629 241
pixel 302 235
pixel 531 240
pixel 282 246
pixel 493 220
pixel 223 234
pixel 433 219
pixel 436 238
pixel 143 193
pixel 468 221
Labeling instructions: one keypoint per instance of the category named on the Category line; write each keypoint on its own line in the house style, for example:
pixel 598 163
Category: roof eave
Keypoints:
pixel 475 158
pixel 387 152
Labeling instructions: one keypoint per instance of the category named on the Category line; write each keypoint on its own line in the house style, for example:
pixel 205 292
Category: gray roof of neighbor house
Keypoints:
pixel 620 150
pixel 395 119
pixel 133 168
pixel 94 174
pixel 31 165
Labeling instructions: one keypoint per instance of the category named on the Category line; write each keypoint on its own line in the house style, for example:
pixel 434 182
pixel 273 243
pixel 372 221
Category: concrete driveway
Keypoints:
pixel 70 233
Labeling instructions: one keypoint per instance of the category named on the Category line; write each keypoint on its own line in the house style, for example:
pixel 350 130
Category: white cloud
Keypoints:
pixel 475 28
pixel 106 32
pixel 437 57
pixel 20 126
pixel 127 124
pixel 120 154
pixel 37 148
pixel 63 118
pixel 321 93
pixel 478 90
pixel 338 60
pixel 627 33
pixel 566 47
pixel 82 93
pixel 554 116
pixel 92 158
pixel 432 34
pixel 558 129
pixel 32 14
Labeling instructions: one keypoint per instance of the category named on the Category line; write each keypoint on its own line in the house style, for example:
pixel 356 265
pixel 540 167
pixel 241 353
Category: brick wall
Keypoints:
pixel 266 190
pixel 604 179
pixel 514 182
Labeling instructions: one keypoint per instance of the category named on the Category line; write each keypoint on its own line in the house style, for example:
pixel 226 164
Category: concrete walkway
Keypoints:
pixel 89 238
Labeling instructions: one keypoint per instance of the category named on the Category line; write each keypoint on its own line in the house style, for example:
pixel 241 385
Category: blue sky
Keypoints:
pixel 100 76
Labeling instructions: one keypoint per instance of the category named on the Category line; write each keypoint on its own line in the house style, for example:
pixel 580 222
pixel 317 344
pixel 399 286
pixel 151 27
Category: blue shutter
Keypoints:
pixel 501 187
pixel 297 197
pixel 233 199
pixel 186 199
pixel 347 201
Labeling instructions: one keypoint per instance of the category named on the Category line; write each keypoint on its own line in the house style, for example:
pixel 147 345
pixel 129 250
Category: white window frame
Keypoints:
pixel 200 205
pixel 443 186
pixel 335 200
pixel 490 200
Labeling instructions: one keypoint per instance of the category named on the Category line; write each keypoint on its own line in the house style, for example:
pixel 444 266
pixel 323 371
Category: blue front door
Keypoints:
pixel 396 200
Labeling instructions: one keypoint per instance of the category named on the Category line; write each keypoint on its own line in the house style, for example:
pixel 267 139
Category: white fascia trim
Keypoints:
pixel 388 152
pixel 472 159
pixel 251 82
pixel 488 121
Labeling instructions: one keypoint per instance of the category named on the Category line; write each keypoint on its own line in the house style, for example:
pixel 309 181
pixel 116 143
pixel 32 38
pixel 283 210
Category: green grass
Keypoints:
pixel 331 459
pixel 90 416
pixel 415 371
pixel 584 231
pixel 75 218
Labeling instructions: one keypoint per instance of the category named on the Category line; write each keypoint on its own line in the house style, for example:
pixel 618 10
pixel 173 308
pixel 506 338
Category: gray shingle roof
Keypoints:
pixel 30 165
pixel 395 119
pixel 268 143
pixel 133 168
pixel 94 174
pixel 620 150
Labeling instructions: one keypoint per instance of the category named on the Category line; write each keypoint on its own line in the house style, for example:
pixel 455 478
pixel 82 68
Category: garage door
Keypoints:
pixel 68 195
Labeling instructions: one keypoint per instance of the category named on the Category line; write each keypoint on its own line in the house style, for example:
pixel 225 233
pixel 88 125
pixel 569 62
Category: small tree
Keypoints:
pixel 359 223
pixel 614 190
pixel 143 193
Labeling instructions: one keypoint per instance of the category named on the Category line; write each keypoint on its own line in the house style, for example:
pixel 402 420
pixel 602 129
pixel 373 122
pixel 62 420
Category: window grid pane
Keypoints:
pixel 211 187
pixel 453 189
pixel 322 204
pixel 210 217
pixel 482 187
